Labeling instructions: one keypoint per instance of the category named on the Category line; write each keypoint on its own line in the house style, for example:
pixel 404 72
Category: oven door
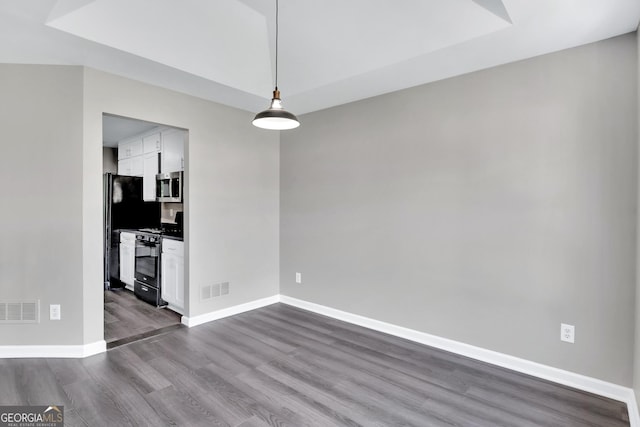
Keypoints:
pixel 147 263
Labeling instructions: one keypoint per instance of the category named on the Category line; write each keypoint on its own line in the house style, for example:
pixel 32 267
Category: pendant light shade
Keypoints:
pixel 276 117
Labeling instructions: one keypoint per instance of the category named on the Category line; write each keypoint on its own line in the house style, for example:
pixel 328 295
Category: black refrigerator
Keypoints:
pixel 124 208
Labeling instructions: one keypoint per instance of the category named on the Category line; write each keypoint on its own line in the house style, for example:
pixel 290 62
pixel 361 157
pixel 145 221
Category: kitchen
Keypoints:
pixel 143 167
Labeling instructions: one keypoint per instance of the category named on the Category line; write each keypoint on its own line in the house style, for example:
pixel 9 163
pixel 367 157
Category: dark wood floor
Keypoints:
pixel 128 319
pixel 281 366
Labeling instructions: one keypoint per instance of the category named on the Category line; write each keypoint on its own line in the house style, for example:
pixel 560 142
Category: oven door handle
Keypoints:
pixel 147 244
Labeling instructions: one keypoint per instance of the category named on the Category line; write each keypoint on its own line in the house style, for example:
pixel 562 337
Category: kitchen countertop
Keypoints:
pixel 172 237
pixel 146 233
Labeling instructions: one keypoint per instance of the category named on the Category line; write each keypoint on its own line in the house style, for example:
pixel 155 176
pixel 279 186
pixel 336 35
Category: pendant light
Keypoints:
pixel 276 117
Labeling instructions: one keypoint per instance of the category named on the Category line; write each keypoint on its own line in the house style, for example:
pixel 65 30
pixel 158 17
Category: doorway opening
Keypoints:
pixel 143 189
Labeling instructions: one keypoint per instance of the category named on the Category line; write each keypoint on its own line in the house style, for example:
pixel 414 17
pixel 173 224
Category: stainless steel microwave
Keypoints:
pixel 169 187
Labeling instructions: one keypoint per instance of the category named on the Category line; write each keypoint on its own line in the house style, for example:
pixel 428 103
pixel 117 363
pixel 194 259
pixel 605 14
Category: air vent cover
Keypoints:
pixel 224 288
pixel 205 292
pixel 20 312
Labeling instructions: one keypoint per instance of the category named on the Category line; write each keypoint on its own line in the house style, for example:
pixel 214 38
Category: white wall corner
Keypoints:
pixel 94 348
pixel 571 379
pixel 632 406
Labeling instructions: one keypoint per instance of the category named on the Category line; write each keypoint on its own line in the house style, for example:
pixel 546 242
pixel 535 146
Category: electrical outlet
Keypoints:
pixel 567 333
pixel 54 312
pixel 298 277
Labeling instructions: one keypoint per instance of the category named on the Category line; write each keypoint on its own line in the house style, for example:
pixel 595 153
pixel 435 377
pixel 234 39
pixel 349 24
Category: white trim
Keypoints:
pixel 571 379
pixel 229 311
pixel 177 309
pixel 632 406
pixel 94 348
pixel 52 351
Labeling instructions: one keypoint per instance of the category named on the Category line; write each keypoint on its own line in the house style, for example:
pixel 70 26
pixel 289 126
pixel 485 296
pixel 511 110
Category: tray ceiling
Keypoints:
pixel 331 52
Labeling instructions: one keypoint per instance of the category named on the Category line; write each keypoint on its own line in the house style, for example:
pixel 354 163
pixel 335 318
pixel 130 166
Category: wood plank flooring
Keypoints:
pixel 281 366
pixel 128 319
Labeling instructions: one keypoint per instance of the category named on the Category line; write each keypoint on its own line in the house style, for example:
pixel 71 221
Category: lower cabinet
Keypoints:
pixel 127 258
pixel 172 274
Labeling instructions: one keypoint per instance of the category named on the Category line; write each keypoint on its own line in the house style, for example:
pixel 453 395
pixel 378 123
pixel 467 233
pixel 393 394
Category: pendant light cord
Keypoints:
pixel 277 44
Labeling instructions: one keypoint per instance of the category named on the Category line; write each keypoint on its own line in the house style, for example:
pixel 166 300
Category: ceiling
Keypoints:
pixel 116 128
pixel 330 52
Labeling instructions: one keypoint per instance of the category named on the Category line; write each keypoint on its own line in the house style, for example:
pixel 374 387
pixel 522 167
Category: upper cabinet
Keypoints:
pixel 150 170
pixel 132 166
pixel 173 150
pixel 146 155
pixel 152 143
pixel 130 148
pixel 130 161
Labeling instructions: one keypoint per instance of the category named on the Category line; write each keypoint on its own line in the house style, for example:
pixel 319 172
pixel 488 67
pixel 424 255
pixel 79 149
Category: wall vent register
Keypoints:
pixel 215 290
pixel 20 312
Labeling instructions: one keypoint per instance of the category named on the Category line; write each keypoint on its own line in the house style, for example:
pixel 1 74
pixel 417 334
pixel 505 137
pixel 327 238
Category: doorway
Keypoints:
pixel 143 169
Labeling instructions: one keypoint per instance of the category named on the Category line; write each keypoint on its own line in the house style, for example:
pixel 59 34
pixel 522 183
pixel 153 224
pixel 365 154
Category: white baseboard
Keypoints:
pixel 80 351
pixel 230 311
pixel 632 406
pixel 571 379
pixel 52 351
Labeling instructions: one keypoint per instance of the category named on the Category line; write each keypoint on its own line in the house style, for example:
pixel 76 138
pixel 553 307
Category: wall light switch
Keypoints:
pixel 567 333
pixel 54 312
pixel 298 277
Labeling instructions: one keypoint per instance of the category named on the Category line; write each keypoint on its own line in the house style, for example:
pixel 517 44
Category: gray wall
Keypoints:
pixel 231 184
pixel 51 228
pixel 41 219
pixel 636 358
pixel 486 208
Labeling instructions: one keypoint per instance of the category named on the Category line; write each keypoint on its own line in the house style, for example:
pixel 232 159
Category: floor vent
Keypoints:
pixel 20 312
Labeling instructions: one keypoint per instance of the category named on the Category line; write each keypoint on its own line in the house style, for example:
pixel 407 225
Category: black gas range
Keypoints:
pixel 147 282
pixel 147 268
pixel 168 230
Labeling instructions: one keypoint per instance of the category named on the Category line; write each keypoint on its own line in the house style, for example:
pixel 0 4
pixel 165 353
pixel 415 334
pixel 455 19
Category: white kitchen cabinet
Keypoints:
pixel 172 274
pixel 151 143
pixel 127 149
pixel 173 150
pixel 134 156
pixel 133 166
pixel 124 167
pixel 127 258
pixel 151 162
